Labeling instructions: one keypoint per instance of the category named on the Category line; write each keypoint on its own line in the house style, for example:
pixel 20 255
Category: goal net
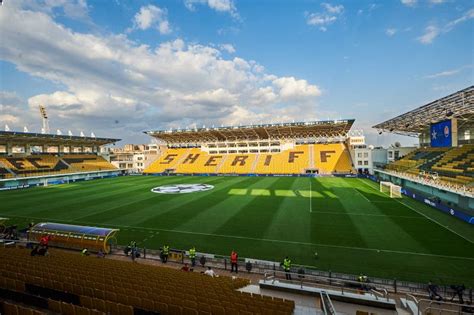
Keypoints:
pixel 391 189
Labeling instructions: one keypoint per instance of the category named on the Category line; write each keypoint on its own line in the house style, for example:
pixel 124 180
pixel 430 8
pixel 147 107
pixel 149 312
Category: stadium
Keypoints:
pixel 232 157
pixel 266 191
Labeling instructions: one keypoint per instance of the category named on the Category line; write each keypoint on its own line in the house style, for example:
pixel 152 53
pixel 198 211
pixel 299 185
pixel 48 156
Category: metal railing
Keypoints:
pixel 342 286
pixel 326 304
pixel 427 306
pixel 378 287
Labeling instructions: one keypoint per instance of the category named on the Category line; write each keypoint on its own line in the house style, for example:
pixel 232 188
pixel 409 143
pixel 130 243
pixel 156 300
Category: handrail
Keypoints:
pixel 271 271
pixel 440 306
pixel 412 297
pixel 452 187
pixel 323 305
pixel 377 293
pixel 334 284
pixel 328 307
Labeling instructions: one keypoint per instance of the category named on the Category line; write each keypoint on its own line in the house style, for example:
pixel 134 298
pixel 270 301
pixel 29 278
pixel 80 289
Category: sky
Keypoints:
pixel 117 67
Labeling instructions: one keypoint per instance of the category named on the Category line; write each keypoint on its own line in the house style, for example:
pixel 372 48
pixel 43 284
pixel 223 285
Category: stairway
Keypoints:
pixel 218 168
pixel 255 163
pixel 7 169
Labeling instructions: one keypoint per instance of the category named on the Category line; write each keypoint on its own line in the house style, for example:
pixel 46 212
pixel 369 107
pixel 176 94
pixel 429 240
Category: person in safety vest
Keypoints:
pixel 165 253
pixel 234 258
pixel 363 280
pixel 287 267
pixel 192 256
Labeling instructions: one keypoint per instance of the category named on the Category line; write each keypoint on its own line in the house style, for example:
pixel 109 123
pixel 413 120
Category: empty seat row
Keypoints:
pixel 14 309
pixel 105 284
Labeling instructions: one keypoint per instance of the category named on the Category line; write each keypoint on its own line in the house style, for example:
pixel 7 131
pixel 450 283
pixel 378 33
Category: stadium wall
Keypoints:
pixel 462 207
pixel 28 182
pixel 253 175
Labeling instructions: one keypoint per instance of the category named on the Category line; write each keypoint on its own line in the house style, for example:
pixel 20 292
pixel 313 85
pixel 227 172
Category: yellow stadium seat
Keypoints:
pixel 326 158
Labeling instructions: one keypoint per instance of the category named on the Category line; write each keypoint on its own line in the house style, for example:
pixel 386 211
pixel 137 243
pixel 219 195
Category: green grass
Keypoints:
pixel 354 228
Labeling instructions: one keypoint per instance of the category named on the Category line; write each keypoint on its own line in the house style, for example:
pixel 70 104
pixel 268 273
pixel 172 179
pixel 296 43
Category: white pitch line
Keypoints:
pixel 369 214
pixel 431 219
pixel 361 194
pixel 285 242
pixel 310 197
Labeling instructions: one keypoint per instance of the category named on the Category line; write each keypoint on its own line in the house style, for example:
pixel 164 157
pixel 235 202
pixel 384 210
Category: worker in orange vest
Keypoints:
pixel 234 257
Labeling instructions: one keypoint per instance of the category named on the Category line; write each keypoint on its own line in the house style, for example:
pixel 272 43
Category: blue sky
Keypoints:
pixel 120 67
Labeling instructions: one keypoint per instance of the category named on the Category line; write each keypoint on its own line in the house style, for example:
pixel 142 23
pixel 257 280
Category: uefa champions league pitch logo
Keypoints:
pixel 181 188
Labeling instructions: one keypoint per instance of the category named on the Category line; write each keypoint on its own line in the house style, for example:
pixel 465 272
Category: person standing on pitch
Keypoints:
pixel 192 256
pixel 165 253
pixel 287 267
pixel 234 258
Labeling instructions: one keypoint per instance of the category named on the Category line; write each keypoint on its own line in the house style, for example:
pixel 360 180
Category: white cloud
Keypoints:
pixel 443 74
pixel 59 100
pixel 465 17
pixel 335 9
pixel 437 1
pixel 320 19
pixel 290 88
pixel 431 32
pixel 152 16
pixel 226 6
pixel 447 73
pixel 73 9
pixel 228 48
pixel 391 31
pixel 105 79
pixel 409 3
pixel 328 16
pixel 11 109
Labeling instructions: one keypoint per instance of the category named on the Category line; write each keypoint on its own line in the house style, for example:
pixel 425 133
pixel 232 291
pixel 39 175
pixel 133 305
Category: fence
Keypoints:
pixel 305 274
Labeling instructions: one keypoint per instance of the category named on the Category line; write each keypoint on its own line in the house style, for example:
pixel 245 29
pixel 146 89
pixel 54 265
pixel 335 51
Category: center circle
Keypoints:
pixel 181 188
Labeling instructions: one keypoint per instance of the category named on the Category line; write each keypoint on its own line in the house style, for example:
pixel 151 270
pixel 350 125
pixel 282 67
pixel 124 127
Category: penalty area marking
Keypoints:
pixel 361 194
pixel 421 213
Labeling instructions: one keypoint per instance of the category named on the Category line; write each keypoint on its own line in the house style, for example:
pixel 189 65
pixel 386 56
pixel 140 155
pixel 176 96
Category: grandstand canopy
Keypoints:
pixel 74 236
pixel 279 131
pixel 20 138
pixel 458 105
pixel 77 229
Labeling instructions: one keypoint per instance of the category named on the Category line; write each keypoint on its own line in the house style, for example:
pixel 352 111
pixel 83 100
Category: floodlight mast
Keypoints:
pixel 44 117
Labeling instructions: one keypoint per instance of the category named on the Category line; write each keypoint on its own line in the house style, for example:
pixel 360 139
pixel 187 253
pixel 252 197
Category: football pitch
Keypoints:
pixel 351 225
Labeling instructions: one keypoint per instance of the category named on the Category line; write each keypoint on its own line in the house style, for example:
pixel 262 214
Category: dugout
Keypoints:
pixel 75 236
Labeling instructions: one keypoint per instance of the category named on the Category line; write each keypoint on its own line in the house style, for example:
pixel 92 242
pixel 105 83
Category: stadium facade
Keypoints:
pixel 317 147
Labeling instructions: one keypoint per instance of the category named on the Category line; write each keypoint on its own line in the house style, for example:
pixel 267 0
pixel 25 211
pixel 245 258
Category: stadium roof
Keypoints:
pixel 458 105
pixel 299 130
pixel 51 139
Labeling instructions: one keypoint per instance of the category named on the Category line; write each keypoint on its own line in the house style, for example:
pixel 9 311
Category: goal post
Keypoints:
pixel 394 191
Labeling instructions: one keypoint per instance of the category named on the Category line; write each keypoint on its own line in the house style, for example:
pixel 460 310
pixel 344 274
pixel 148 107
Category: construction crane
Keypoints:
pixel 44 116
